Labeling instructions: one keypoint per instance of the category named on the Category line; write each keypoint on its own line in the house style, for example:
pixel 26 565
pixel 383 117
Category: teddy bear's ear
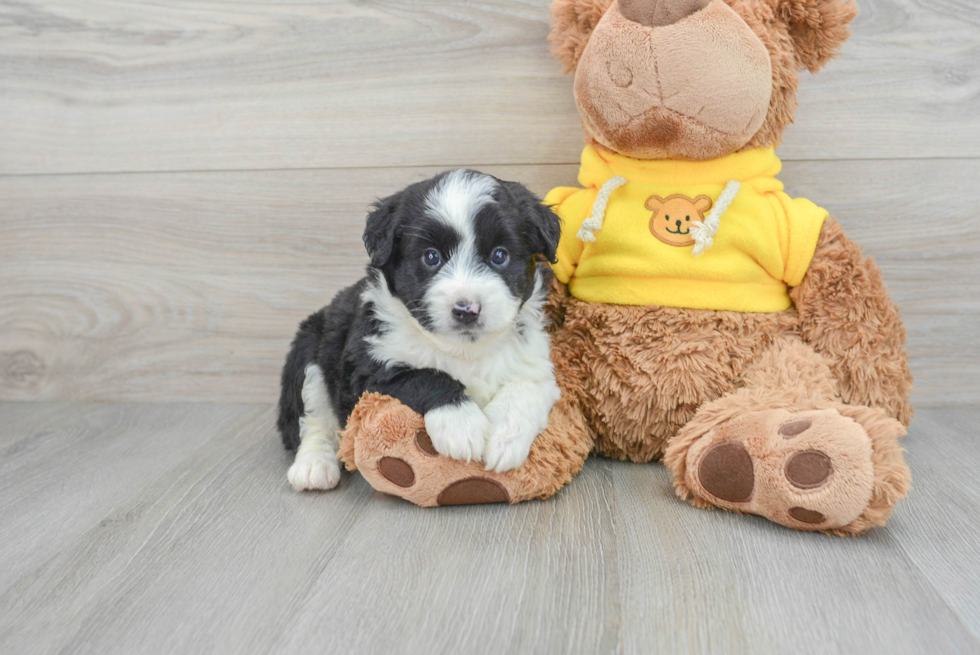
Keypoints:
pixel 818 28
pixel 702 203
pixel 654 203
pixel 572 22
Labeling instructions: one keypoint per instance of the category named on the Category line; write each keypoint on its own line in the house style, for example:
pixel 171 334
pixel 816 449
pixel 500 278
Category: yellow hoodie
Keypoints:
pixel 719 234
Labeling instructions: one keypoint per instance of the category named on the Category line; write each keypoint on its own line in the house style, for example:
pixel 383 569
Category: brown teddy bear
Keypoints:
pixel 703 317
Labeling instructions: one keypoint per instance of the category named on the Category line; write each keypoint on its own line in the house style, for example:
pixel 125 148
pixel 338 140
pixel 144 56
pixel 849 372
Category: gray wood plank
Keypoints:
pixel 173 287
pixel 206 558
pixel 65 468
pixel 102 86
pixel 938 527
pixel 533 578
pixel 22 421
pixel 219 555
pixel 710 581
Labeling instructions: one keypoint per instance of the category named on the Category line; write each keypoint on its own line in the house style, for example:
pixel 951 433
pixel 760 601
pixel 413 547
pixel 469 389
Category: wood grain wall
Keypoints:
pixel 181 182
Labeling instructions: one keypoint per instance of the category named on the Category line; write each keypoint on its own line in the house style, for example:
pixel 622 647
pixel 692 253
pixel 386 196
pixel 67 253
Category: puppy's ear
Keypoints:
pixel 818 28
pixel 547 231
pixel 382 226
pixel 543 225
pixel 572 22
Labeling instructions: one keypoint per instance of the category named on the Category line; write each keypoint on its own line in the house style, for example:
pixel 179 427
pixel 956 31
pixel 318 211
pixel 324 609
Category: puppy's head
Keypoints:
pixel 459 250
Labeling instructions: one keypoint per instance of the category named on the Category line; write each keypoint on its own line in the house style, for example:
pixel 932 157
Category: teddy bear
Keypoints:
pixel 701 316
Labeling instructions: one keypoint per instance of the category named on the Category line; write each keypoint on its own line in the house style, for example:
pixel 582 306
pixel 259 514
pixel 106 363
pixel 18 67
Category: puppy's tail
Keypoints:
pixel 301 354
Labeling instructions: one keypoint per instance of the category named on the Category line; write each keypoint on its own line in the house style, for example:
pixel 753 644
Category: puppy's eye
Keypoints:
pixel 499 257
pixel 667 217
pixel 687 218
pixel 431 258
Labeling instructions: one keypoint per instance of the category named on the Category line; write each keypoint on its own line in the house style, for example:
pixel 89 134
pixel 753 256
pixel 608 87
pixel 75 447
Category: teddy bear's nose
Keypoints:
pixel 657 13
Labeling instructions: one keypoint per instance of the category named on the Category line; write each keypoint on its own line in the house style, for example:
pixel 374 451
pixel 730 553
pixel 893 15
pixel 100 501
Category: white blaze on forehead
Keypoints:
pixel 455 201
pixel 458 197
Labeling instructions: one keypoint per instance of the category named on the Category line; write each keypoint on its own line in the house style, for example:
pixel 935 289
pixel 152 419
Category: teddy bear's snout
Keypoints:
pixel 696 86
pixel 658 13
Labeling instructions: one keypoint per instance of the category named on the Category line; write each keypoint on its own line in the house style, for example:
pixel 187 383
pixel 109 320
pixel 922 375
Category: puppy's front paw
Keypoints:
pixel 314 470
pixel 458 431
pixel 508 446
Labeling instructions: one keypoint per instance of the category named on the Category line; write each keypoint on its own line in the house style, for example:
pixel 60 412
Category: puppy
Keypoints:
pixel 449 320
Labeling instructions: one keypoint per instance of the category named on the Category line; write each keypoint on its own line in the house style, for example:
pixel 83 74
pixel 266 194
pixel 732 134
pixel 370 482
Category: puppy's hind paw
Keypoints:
pixel 458 431
pixel 314 471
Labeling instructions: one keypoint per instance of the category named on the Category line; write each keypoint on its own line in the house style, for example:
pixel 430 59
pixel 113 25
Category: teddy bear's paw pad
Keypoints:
pixel 726 472
pixel 424 443
pixel 794 428
pixel 808 470
pixel 397 471
pixel 804 515
pixel 473 491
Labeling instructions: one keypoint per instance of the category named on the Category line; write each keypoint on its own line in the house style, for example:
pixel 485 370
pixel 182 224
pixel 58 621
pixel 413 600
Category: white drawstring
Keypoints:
pixel 593 223
pixel 704 232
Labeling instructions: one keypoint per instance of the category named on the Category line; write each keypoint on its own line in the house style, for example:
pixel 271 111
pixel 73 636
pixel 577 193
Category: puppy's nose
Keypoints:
pixel 657 13
pixel 466 312
pixel 678 225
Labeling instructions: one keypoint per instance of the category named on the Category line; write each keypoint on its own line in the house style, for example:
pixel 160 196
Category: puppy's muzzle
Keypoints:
pixel 466 312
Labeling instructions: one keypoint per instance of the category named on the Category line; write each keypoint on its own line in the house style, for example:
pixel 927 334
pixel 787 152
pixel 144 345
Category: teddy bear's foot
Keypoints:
pixel 837 470
pixel 395 455
pixel 386 441
pixel 425 477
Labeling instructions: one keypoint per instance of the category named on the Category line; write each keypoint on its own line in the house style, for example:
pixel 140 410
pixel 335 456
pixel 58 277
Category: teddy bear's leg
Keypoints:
pixel 847 316
pixel 787 448
pixel 386 441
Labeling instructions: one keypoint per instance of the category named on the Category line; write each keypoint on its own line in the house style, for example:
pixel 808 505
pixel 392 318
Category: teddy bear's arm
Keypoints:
pixel 848 317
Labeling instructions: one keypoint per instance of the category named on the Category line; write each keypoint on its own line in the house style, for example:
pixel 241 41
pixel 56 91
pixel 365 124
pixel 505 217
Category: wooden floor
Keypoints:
pixel 182 181
pixel 170 528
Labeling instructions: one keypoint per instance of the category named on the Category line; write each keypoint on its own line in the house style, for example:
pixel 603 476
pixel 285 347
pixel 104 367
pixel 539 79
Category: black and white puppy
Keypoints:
pixel 449 320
